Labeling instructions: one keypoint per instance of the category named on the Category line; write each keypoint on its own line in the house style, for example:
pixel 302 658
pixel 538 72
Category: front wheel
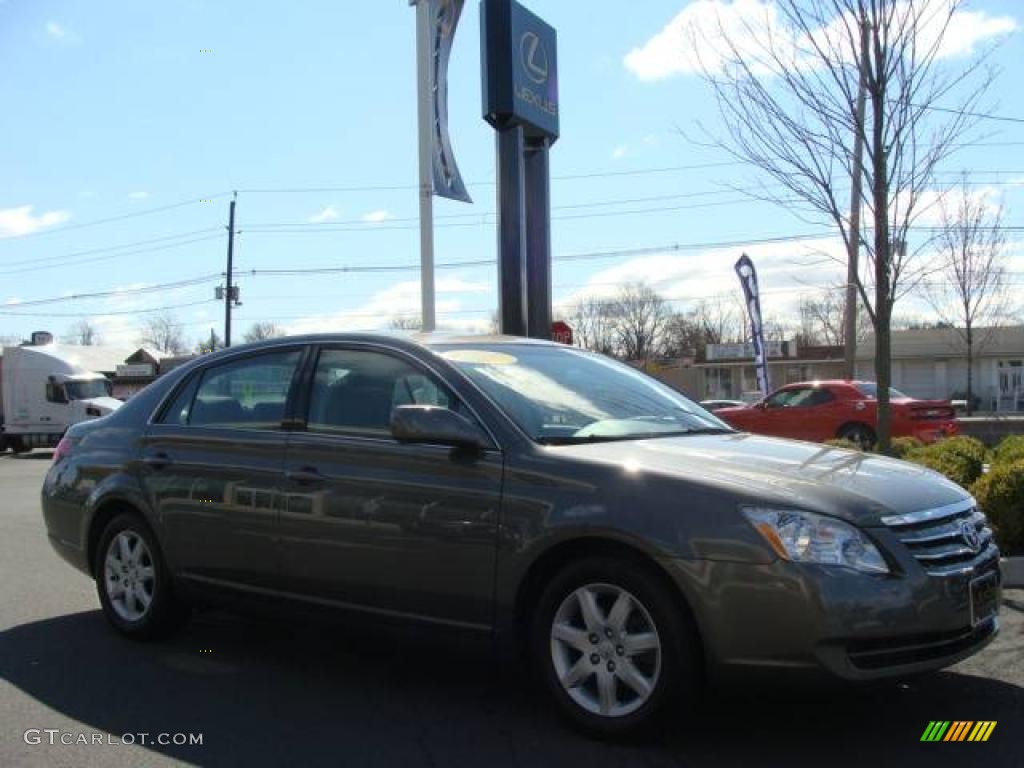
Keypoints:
pixel 613 645
pixel 861 434
pixel 133 583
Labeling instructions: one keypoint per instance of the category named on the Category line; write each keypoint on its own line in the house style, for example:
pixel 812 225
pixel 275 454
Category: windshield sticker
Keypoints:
pixel 479 357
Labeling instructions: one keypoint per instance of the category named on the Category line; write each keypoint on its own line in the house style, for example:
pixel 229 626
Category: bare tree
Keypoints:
pixel 968 291
pixel 263 330
pixel 162 331
pixel 787 93
pixel 83 333
pixel 593 324
pixel 640 314
pixel 723 322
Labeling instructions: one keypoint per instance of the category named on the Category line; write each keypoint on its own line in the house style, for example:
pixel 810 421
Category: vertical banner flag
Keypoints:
pixel 444 18
pixel 748 279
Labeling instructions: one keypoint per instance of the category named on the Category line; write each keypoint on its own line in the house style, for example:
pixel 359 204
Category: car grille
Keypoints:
pixel 947 540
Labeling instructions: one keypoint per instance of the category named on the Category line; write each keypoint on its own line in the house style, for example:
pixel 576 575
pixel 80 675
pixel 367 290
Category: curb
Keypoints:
pixel 1013 571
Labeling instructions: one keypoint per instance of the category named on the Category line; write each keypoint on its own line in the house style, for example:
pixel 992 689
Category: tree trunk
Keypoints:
pixel 883 264
pixel 970 370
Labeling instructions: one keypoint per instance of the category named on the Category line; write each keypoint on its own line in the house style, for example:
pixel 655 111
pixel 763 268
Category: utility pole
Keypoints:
pixel 229 293
pixel 853 238
pixel 425 122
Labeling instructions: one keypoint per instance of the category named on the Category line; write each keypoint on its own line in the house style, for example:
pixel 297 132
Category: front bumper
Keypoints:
pixel 819 619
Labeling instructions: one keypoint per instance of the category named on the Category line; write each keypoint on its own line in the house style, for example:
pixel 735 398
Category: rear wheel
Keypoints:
pixel 861 434
pixel 613 646
pixel 133 583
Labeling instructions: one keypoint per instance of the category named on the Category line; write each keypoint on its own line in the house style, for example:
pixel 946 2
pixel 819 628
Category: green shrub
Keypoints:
pixel 971 447
pixel 902 447
pixel 1000 494
pixel 842 442
pixel 960 459
pixel 1011 449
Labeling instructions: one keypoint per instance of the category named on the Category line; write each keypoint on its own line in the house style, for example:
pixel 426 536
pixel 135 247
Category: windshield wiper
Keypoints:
pixel 574 440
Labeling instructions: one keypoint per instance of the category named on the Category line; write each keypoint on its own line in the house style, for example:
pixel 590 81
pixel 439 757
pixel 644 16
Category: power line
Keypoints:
pixel 106 248
pixel 122 217
pixel 969 113
pixel 121 291
pixel 102 313
pixel 111 255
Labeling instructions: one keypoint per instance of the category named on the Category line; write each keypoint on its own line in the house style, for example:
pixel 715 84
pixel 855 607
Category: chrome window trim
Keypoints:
pixel 927 515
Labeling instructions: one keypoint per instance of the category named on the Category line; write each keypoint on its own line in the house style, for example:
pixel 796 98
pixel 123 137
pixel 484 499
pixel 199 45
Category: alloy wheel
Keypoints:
pixel 129 576
pixel 606 650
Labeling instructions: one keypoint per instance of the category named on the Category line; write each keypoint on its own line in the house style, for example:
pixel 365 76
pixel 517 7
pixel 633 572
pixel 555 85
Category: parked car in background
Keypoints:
pixel 528 492
pixel 822 410
pixel 714 405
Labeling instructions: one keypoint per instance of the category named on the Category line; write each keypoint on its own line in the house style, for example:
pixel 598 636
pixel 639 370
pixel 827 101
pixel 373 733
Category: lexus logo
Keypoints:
pixel 535 57
pixel 970 536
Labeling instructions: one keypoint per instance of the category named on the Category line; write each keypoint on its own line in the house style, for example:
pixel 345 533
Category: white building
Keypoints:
pixel 932 363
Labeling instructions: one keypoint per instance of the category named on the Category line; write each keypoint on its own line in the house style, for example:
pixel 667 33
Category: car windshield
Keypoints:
pixel 870 389
pixel 561 395
pixel 84 390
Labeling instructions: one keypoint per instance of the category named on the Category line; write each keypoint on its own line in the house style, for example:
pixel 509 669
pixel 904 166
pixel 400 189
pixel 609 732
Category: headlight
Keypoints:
pixel 804 537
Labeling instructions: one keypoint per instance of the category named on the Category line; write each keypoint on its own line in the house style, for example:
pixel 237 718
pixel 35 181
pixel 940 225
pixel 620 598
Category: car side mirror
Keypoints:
pixel 434 424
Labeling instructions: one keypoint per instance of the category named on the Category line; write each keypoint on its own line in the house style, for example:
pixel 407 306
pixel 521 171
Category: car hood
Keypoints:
pixel 856 486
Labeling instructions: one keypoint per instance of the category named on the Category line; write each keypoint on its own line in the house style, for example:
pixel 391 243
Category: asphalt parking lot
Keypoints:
pixel 270 692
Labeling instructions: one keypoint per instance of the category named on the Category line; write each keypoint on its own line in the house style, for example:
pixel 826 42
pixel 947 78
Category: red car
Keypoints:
pixel 821 410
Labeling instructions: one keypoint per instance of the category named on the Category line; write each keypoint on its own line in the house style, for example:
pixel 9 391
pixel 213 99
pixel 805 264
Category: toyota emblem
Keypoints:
pixel 970 536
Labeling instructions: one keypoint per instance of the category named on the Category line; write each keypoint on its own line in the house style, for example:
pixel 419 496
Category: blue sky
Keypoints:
pixel 111 110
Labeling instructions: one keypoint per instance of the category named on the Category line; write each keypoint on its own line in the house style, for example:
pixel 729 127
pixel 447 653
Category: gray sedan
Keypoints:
pixel 635 546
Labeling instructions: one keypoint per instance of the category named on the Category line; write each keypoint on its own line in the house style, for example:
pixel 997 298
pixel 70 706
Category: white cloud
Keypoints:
pixel 55 30
pixel 14 300
pixel 376 217
pixel 398 300
pixel 620 152
pixel 696 38
pixel 15 222
pixel 139 195
pixel 328 213
pixel 785 271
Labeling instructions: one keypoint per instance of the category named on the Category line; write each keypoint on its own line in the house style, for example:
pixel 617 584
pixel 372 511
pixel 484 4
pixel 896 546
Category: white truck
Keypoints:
pixel 48 387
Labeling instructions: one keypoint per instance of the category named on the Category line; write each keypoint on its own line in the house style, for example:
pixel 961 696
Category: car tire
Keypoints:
pixel 861 434
pixel 133 582
pixel 613 673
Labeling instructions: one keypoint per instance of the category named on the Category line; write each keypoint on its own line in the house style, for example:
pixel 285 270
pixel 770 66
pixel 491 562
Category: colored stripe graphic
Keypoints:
pixel 958 730
pixel 982 730
pixel 935 730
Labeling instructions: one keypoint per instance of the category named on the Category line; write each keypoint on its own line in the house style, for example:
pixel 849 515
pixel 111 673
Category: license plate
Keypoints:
pixel 984 598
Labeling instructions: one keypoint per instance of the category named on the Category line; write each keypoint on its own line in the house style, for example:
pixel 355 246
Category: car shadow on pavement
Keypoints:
pixel 292 693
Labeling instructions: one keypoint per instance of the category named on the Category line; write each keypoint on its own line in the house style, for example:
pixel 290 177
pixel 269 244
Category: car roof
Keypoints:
pixel 395 338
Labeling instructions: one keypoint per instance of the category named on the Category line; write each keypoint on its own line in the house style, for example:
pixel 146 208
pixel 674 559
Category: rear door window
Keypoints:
pixel 243 394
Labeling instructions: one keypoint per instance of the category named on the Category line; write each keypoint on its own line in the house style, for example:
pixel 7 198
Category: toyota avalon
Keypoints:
pixel 634 545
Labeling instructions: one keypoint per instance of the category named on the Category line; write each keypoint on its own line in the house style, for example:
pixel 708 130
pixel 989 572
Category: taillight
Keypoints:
pixel 63 449
pixel 932 413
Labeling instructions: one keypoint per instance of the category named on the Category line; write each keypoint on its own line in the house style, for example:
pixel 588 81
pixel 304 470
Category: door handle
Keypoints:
pixel 304 475
pixel 157 461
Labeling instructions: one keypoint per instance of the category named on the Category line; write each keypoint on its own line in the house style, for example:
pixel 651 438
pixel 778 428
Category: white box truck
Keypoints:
pixel 45 388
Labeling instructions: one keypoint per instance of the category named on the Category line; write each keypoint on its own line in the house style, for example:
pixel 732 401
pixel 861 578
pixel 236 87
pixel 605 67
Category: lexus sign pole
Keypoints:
pixel 436 21
pixel 520 95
